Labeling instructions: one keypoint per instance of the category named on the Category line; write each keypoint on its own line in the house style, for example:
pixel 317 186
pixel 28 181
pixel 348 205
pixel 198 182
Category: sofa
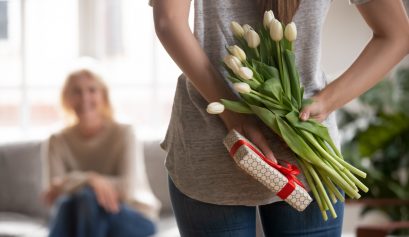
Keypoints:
pixel 22 212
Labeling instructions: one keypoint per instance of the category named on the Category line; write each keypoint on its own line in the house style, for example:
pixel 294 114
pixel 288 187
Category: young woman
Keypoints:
pixel 210 195
pixel 90 169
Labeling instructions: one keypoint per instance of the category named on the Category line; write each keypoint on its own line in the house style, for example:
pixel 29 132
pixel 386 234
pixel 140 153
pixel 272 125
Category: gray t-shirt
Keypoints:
pixel 197 160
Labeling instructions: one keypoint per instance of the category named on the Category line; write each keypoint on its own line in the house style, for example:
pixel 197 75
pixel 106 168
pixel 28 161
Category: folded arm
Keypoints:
pixel 172 29
pixel 389 44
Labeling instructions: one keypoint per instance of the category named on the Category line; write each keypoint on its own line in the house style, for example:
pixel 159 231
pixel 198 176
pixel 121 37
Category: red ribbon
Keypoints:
pixel 289 171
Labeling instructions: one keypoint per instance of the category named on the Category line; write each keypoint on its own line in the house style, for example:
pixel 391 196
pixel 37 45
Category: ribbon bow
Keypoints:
pixel 289 171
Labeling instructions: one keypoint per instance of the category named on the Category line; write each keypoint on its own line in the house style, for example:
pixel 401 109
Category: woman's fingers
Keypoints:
pixel 256 136
pixel 313 111
pixel 106 196
pixel 105 192
pixel 112 198
pixel 102 200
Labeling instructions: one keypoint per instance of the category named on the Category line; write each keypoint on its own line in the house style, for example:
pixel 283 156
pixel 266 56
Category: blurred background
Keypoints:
pixel 40 41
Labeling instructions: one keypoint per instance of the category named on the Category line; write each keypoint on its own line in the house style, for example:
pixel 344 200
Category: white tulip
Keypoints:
pixel 268 17
pixel 245 73
pixel 215 108
pixel 290 32
pixel 232 62
pixel 237 29
pixel 237 52
pixel 252 38
pixel 242 87
pixel 276 30
pixel 247 28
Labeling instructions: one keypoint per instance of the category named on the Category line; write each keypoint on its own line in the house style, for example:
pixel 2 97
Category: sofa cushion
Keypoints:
pixel 20 179
pixel 157 174
pixel 13 224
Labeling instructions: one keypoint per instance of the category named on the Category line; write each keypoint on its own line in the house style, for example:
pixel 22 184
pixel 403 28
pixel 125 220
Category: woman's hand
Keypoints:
pixel 317 110
pixel 53 192
pixel 247 126
pixel 389 44
pixel 105 191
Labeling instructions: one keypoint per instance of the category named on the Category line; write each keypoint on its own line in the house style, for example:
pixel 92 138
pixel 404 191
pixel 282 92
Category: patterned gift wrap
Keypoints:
pixel 279 179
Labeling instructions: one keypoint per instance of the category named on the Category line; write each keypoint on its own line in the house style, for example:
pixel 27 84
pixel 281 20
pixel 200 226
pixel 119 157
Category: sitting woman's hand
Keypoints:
pixel 53 192
pixel 247 126
pixel 105 192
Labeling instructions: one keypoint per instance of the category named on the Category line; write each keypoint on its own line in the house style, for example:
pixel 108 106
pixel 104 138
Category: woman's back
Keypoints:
pixel 196 156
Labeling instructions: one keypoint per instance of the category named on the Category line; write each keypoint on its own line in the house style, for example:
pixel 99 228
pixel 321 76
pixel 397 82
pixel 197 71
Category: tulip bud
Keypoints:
pixel 237 52
pixel 245 73
pixel 247 28
pixel 215 108
pixel 232 62
pixel 276 30
pixel 237 29
pixel 252 38
pixel 268 17
pixel 242 87
pixel 290 32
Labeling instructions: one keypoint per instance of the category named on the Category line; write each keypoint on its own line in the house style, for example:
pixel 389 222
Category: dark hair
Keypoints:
pixel 284 10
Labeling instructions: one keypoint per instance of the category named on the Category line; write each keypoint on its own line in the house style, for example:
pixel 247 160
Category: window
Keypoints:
pixel 3 20
pixel 46 37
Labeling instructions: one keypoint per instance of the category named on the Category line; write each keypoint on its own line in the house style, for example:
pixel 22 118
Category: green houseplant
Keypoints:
pixel 378 141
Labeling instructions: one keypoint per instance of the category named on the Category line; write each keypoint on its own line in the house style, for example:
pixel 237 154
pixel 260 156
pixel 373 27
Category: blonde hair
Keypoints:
pixel 71 117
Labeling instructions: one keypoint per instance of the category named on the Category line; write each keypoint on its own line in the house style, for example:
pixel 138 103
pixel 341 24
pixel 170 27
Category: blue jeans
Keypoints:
pixel 197 219
pixel 80 215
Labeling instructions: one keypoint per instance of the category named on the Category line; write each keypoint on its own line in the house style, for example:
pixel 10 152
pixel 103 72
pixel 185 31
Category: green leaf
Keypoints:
pixel 268 117
pixel 309 125
pixel 233 79
pixel 376 136
pixel 267 72
pixel 293 76
pixel 296 142
pixel 276 107
pixel 272 88
pixel 250 100
pixel 286 81
pixel 236 106
pixel 264 52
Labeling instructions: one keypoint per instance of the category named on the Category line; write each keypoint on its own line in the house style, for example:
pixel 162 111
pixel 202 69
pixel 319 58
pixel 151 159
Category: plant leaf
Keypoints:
pixel 293 76
pixel 266 71
pixel 295 141
pixel 268 117
pixel 236 106
pixel 309 125
pixel 272 88
pixel 376 136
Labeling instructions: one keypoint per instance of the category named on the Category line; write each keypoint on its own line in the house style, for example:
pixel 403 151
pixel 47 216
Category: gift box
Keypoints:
pixel 280 179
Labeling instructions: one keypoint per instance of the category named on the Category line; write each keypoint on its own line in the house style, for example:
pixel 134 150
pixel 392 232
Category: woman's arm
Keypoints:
pixel 389 44
pixel 172 29
pixel 132 181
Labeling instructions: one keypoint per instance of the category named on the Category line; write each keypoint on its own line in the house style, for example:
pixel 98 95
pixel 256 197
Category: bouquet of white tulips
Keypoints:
pixel 263 71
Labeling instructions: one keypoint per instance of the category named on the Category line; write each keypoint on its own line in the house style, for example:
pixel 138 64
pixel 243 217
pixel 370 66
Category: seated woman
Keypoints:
pixel 90 169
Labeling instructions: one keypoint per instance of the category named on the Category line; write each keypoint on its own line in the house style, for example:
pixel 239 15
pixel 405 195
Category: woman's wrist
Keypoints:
pixel 91 177
pixel 233 120
pixel 326 100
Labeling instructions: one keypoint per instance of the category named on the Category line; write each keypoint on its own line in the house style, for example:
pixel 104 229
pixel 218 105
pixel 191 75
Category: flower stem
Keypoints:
pixel 313 188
